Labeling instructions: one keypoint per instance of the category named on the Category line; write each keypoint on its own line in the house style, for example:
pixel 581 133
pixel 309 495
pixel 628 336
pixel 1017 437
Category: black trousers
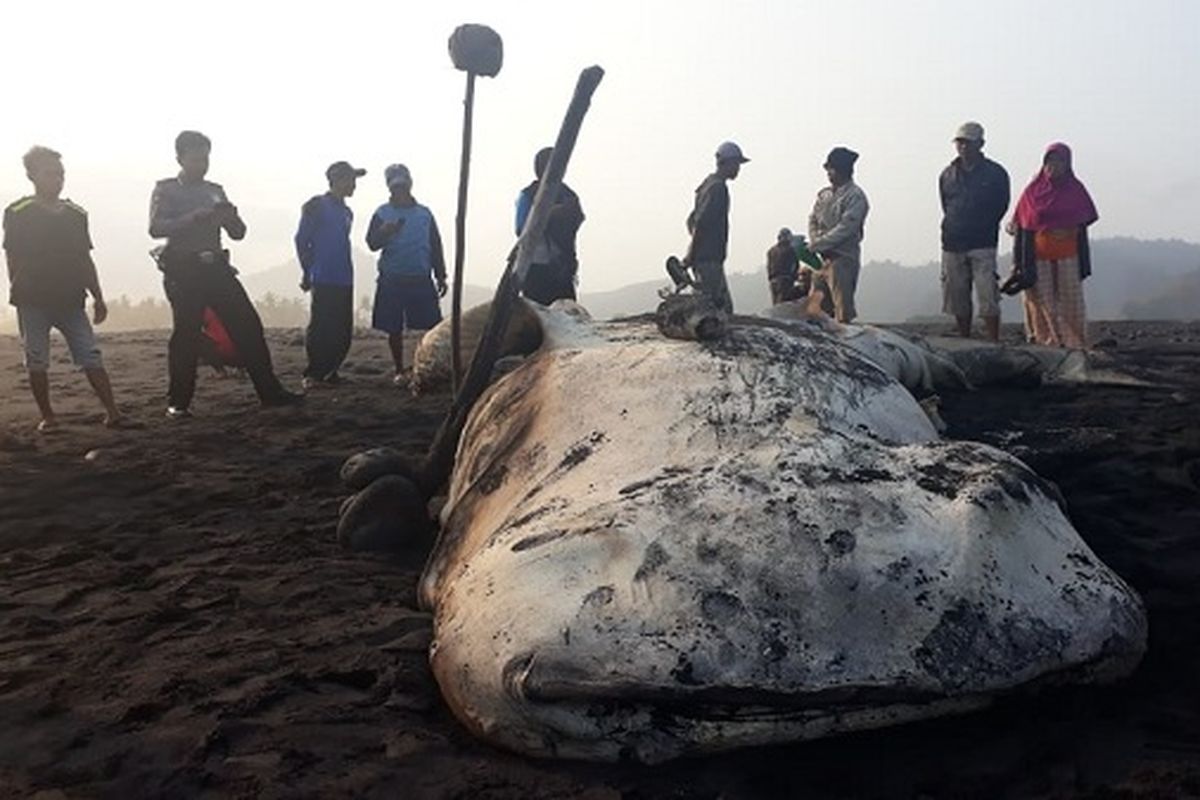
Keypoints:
pixel 546 283
pixel 330 330
pixel 192 286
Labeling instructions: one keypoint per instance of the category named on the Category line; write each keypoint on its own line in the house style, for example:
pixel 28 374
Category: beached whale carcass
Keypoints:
pixel 654 548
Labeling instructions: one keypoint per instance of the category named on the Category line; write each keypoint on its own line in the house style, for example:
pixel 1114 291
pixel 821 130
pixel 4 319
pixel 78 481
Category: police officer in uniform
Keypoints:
pixel 190 213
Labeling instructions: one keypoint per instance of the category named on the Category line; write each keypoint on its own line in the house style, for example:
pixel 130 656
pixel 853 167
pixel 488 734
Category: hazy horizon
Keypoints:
pixel 282 99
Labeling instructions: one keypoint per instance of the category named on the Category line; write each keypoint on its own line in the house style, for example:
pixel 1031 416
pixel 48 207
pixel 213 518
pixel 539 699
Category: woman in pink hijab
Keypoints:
pixel 1050 224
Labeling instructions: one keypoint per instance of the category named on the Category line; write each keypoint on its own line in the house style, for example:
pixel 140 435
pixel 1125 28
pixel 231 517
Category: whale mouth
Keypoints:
pixel 542 681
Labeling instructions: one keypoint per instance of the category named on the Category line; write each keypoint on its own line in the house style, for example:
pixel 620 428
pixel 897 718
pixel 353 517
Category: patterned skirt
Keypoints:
pixel 1054 308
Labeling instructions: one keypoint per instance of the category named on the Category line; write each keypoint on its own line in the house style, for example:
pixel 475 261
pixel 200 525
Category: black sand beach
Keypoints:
pixel 178 620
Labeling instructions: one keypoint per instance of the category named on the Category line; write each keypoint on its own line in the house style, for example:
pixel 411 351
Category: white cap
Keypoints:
pixel 728 151
pixel 971 131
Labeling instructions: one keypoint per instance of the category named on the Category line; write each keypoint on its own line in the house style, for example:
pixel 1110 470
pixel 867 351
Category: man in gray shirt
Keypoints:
pixel 708 225
pixel 190 212
pixel 835 232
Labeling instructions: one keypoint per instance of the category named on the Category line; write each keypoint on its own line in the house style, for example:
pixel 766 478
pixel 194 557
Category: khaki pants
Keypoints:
pixel 961 271
pixel 839 280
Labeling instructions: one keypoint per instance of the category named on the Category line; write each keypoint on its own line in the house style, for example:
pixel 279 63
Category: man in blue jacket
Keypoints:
pixel 975 194
pixel 323 247
pixel 410 261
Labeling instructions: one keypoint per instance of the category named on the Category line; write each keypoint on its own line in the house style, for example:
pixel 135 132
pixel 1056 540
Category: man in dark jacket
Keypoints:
pixel 708 225
pixel 783 270
pixel 555 265
pixel 975 195
pixel 190 213
pixel 323 248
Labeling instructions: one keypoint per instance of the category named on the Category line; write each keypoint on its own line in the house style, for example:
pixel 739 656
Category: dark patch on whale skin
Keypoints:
pixel 841 542
pixel 966 649
pixel 602 596
pixel 792 347
pixel 492 479
pixel 537 540
pixel 654 558
pixel 940 479
pixel 684 672
pixel 580 451
pixel 721 607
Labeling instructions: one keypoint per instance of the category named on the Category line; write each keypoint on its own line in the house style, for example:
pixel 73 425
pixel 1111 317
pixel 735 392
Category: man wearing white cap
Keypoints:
pixel 410 261
pixel 708 225
pixel 975 195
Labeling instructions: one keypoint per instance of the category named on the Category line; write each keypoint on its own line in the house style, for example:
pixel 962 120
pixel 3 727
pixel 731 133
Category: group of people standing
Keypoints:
pixel 412 265
pixel 1049 225
pixel 835 233
pixel 51 272
pixel 48 249
pixel 1050 248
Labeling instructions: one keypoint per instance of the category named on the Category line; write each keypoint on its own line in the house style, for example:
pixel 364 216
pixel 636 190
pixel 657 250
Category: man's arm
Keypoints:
pixel 436 256
pixel 10 261
pixel 91 279
pixel 709 205
pixel 1003 196
pixel 376 238
pixel 165 221
pixel 304 236
pixel 13 264
pixel 848 225
pixel 524 203
pixel 231 221
pixel 99 307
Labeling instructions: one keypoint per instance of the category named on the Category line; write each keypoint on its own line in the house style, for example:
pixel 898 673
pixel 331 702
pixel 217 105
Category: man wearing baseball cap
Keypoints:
pixel 410 261
pixel 975 196
pixel 835 232
pixel 323 248
pixel 708 225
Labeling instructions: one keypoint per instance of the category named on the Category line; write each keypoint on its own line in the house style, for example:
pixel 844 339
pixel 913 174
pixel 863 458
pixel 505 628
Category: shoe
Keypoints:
pixel 309 383
pixel 282 398
pixel 178 412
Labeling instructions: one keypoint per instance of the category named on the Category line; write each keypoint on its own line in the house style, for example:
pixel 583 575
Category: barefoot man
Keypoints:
pixel 50 272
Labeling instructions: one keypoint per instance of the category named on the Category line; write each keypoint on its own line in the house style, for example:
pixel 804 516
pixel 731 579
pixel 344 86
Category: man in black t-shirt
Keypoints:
pixel 50 271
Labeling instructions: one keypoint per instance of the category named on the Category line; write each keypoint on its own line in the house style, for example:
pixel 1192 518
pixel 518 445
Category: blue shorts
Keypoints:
pixel 73 323
pixel 405 303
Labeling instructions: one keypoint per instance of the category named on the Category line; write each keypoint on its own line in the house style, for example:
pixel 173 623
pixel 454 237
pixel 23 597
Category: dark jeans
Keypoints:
pixel 330 330
pixel 190 287
pixel 545 283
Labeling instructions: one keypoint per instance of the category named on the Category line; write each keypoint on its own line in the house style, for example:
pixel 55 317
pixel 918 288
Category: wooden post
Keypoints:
pixel 440 459
pixel 460 235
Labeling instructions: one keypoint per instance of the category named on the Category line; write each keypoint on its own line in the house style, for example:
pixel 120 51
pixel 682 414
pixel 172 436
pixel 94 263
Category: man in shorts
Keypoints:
pixel 406 236
pixel 975 195
pixel 50 272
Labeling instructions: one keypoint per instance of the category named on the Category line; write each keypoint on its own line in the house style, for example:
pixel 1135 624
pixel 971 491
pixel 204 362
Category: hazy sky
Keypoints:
pixel 284 89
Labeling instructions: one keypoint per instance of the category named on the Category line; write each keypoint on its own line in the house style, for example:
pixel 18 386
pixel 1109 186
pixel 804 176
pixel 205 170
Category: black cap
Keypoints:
pixel 342 169
pixel 841 158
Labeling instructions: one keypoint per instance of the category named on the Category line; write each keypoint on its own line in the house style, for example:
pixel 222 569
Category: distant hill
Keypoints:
pixel 1179 300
